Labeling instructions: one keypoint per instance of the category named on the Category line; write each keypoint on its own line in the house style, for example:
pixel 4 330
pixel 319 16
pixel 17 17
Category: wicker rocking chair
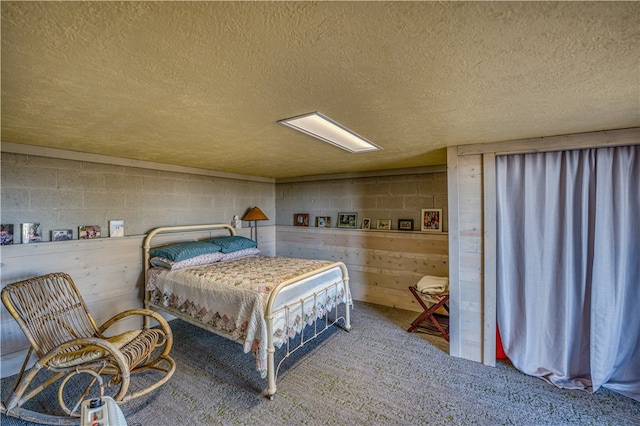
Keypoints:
pixel 70 347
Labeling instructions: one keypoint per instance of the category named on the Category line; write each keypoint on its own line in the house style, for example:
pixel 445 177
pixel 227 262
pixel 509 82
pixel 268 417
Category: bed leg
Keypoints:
pixel 146 321
pixel 271 375
pixel 347 317
pixel 347 309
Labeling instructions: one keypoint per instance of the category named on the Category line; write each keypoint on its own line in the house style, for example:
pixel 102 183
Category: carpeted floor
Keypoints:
pixel 377 374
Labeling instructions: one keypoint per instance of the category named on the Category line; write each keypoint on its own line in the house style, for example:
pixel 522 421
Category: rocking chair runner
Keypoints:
pixel 67 342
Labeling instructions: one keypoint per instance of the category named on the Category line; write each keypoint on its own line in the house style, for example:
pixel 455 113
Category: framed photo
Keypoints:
pixel 116 228
pixel 6 234
pixel 301 219
pixel 323 221
pixel 61 235
pixel 366 223
pixel 431 220
pixel 348 220
pixel 31 233
pixel 384 224
pixel 405 224
pixel 88 232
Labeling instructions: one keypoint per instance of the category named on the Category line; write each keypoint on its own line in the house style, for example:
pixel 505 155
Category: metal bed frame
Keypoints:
pixel 275 304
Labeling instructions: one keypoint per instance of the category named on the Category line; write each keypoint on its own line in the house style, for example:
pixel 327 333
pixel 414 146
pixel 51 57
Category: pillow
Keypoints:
pixel 240 253
pixel 233 243
pixel 203 259
pixel 186 250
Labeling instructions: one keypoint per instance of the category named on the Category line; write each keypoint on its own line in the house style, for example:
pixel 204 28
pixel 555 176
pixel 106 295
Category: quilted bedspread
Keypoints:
pixel 231 297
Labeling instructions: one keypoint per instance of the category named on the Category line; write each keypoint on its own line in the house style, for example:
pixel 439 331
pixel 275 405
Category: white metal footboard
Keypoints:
pixel 276 305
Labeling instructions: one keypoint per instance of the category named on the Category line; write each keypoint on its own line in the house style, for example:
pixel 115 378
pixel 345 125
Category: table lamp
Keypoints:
pixel 254 215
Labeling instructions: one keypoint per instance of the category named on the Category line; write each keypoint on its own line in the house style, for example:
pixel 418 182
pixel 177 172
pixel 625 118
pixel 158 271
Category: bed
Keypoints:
pixel 262 302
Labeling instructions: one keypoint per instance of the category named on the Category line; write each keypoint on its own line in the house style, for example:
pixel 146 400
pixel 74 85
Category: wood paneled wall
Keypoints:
pixel 466 288
pixel 107 272
pixel 382 264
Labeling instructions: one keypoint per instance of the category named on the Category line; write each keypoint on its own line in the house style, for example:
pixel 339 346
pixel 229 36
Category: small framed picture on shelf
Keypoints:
pixel 384 224
pixel 405 224
pixel 431 220
pixel 348 220
pixel 31 233
pixel 88 232
pixel 116 228
pixel 6 234
pixel 323 221
pixel 301 219
pixel 366 223
pixel 62 235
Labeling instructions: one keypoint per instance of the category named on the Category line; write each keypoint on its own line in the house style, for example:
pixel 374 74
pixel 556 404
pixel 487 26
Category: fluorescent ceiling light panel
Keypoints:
pixel 321 127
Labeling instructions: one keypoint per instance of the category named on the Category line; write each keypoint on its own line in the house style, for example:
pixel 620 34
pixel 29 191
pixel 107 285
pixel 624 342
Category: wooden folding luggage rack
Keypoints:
pixel 428 319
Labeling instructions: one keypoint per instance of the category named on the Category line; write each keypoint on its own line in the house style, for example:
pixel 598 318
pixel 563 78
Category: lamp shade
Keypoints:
pixel 254 214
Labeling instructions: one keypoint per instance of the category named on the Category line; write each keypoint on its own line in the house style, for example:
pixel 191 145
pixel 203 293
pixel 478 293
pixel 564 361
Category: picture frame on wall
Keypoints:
pixel 366 223
pixel 6 234
pixel 31 232
pixel 405 224
pixel 323 221
pixel 88 232
pixel 431 220
pixel 301 219
pixel 348 220
pixel 61 235
pixel 383 224
pixel 116 228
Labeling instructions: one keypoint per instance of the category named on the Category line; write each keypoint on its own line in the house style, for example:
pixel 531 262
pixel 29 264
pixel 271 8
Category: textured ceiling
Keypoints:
pixel 204 84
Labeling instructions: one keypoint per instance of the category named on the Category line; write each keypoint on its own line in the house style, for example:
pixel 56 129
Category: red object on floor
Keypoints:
pixel 499 350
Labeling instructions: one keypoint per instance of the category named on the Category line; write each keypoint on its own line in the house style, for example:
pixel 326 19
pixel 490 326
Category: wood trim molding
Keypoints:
pixel 40 151
pixel 376 173
pixel 489 273
pixel 455 333
pixel 620 137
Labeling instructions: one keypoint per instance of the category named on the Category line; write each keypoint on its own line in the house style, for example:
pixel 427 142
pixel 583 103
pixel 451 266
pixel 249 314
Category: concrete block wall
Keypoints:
pixel 65 194
pixel 400 196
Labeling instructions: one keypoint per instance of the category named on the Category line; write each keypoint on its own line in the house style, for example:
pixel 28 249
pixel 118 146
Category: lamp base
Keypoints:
pixel 255 223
